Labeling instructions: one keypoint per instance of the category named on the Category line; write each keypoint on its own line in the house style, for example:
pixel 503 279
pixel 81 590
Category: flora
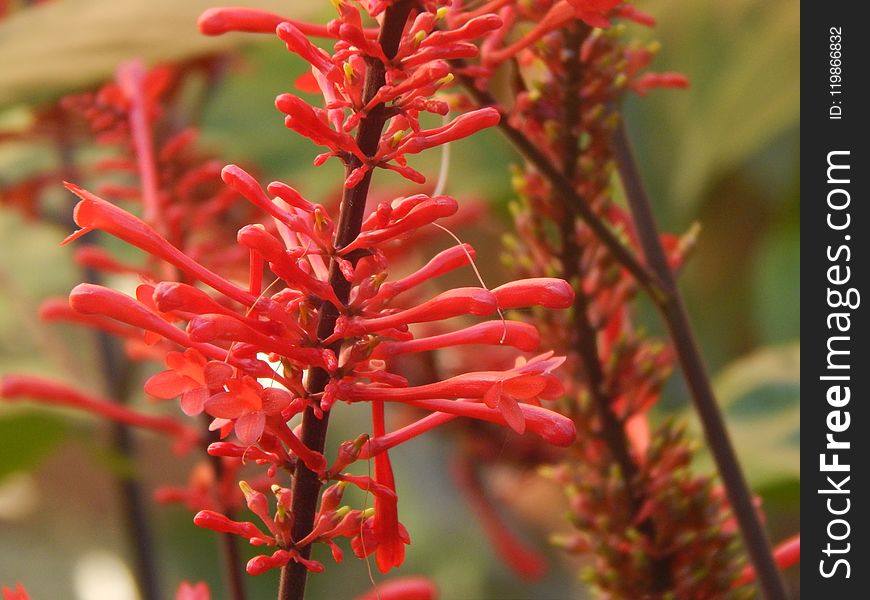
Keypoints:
pixel 268 310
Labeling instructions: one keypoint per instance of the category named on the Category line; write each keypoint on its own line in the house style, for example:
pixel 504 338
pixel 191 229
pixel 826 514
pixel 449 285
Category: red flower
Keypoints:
pixel 247 404
pixel 191 376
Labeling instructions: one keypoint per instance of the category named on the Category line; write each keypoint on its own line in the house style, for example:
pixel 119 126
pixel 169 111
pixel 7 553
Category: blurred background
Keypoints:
pixel 723 154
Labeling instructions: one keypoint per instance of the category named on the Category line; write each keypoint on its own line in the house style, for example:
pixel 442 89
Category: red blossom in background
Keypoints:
pixel 193 591
pixel 19 593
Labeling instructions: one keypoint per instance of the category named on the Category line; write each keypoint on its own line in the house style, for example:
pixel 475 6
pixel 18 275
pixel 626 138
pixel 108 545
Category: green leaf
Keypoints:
pixel 27 439
pixel 776 290
pixel 62 46
pixel 744 66
pixel 760 397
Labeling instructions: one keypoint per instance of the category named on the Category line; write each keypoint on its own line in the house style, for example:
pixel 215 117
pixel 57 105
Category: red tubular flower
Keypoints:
pixel 632 13
pixel 594 12
pixel 91 299
pixel 298 43
pixel 247 186
pixel 209 328
pixel 443 262
pixel 218 21
pixel 262 563
pixel 391 546
pixel 786 554
pixel 94 257
pixel 461 127
pixel 18 387
pixel 495 333
pixel 427 211
pixel 542 291
pixel 218 522
pixel 453 303
pixel 95 213
pixel 500 390
pixel 403 588
pixel 304 120
pixel 649 81
pixel 550 426
pixel 524 561
pixel 58 309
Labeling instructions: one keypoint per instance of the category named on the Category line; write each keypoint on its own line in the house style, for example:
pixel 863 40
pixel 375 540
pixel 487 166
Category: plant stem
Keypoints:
pixel 611 428
pixel 564 188
pixel 306 484
pixel 228 542
pixel 116 369
pixel 667 300
pixel 674 314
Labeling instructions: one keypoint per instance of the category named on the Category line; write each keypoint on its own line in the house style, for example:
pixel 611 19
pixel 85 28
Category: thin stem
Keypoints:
pixel 228 542
pixel 674 314
pixel 116 375
pixel 563 187
pixel 306 484
pixel 611 429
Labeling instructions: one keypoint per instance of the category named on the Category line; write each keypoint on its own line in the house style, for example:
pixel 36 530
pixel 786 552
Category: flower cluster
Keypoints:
pixel 651 525
pixel 297 312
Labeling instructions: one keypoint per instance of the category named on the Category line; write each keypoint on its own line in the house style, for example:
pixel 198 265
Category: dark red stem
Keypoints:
pixel 563 187
pixel 674 313
pixel 306 483
pixel 611 429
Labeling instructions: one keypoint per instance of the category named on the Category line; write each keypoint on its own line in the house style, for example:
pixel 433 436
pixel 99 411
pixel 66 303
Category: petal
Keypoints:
pixel 168 384
pixel 225 406
pixel 175 360
pixel 525 386
pixel 513 415
pixel 193 401
pixel 217 373
pixel 492 395
pixel 219 424
pixel 249 427
pixel 275 400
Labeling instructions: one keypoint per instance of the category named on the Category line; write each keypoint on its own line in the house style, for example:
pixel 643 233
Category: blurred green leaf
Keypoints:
pixel 776 288
pixel 65 45
pixel 743 62
pixel 26 439
pixel 760 396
